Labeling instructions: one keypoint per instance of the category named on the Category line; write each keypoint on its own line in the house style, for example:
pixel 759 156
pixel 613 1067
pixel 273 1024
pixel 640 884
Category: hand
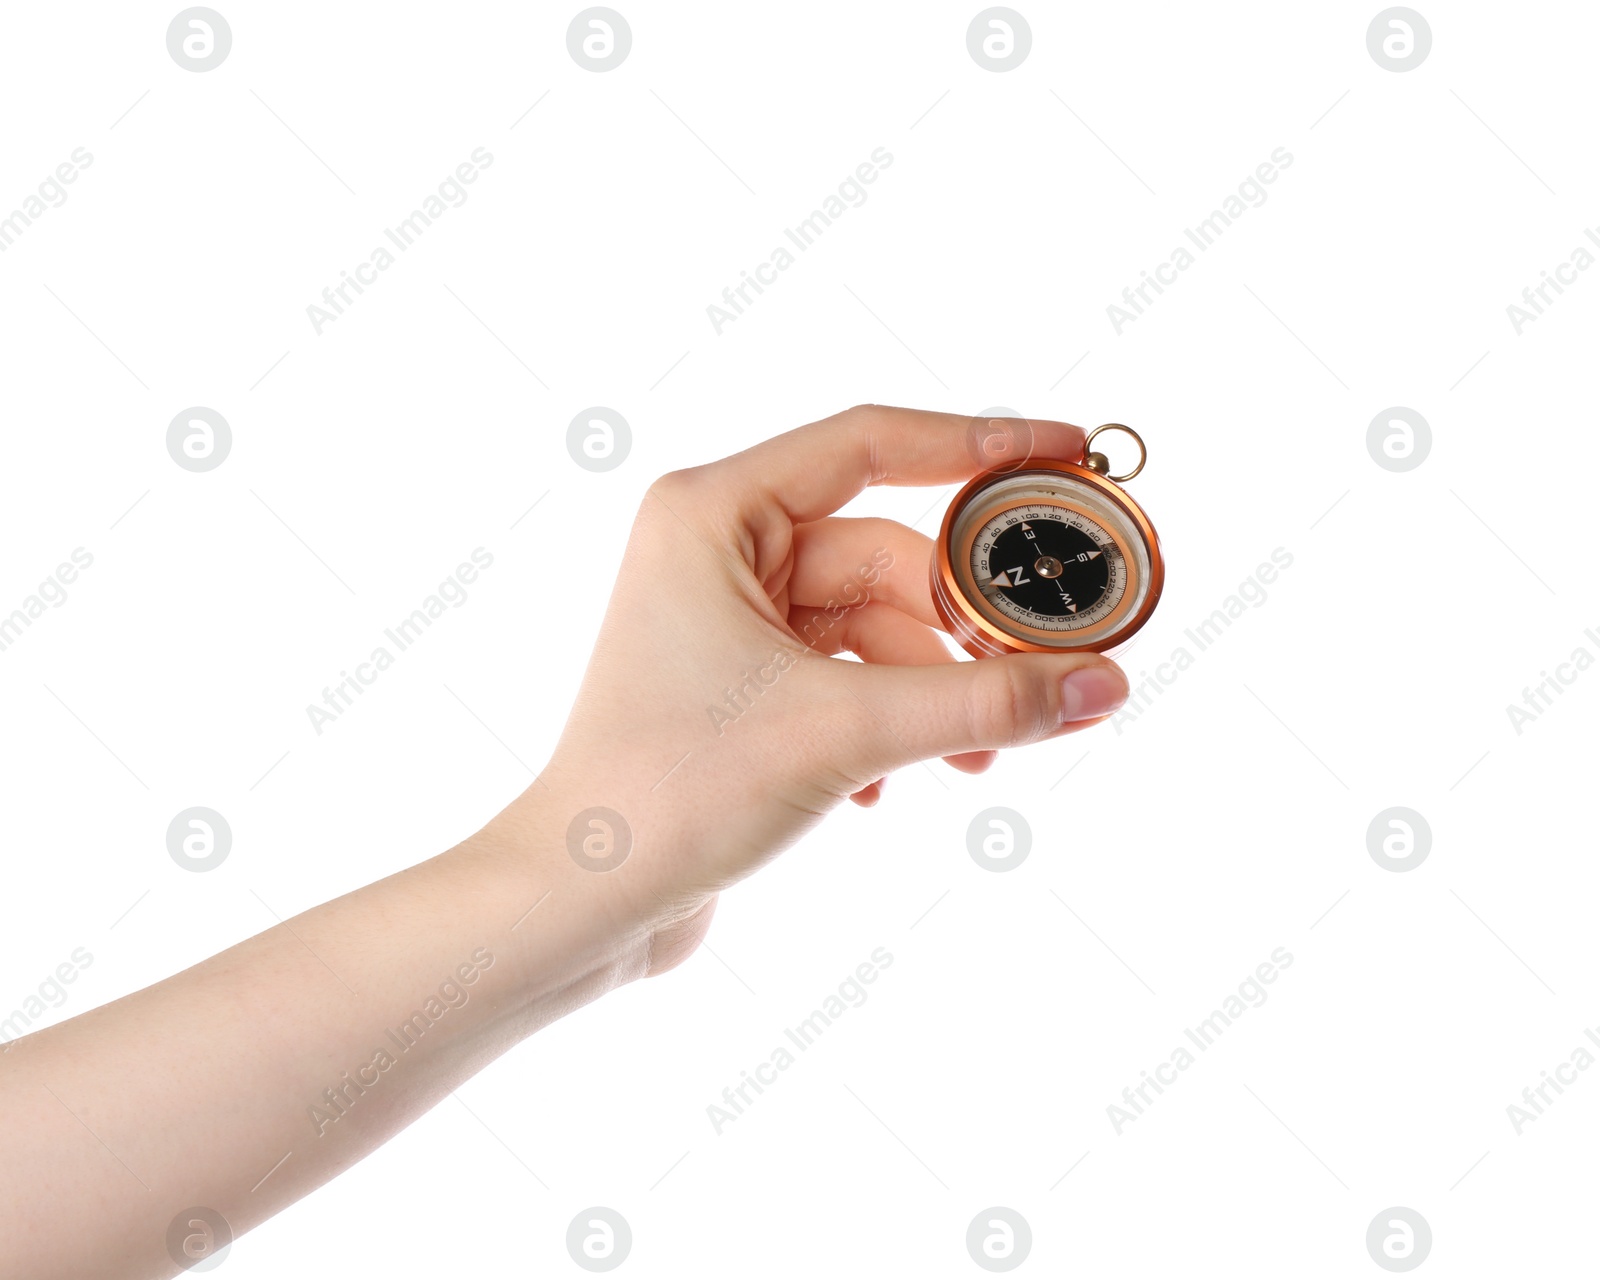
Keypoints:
pixel 714 718
pixel 726 586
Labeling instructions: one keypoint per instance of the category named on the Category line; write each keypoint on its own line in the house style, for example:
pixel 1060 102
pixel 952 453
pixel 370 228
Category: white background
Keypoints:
pixel 1228 820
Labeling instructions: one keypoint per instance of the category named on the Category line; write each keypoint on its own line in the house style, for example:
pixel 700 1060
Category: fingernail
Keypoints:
pixel 1094 691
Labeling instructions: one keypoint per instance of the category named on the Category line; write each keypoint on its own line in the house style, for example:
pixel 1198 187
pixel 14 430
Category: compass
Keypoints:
pixel 1047 556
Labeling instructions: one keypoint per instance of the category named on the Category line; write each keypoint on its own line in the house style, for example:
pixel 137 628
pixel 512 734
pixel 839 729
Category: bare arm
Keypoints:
pixel 252 1078
pixel 247 1081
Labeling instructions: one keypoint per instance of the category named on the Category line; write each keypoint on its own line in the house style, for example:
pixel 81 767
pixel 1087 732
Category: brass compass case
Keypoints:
pixel 1047 556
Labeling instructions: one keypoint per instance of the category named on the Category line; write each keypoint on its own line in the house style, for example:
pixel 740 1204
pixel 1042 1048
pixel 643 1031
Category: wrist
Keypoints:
pixel 565 921
pixel 616 882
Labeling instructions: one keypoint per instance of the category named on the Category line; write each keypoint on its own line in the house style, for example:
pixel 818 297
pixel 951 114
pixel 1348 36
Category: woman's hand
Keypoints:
pixel 715 723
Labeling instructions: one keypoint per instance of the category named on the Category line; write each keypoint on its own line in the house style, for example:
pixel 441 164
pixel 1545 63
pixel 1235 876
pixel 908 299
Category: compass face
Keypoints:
pixel 1052 558
pixel 1048 566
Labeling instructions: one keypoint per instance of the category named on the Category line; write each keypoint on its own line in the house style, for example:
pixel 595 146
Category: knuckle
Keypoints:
pixel 1006 708
pixel 675 484
pixel 859 418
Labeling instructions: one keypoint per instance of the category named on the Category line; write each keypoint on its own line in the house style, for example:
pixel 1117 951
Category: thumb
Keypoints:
pixel 982 705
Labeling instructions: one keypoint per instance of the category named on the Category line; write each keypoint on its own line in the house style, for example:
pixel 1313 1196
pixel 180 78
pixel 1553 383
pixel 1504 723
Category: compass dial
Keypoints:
pixel 1048 566
pixel 1048 559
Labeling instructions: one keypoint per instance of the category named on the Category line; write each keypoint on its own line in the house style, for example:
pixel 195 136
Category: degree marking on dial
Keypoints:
pixel 1004 589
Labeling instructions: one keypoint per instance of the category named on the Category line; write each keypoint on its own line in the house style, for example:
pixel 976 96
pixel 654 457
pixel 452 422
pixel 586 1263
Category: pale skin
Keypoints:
pixel 728 566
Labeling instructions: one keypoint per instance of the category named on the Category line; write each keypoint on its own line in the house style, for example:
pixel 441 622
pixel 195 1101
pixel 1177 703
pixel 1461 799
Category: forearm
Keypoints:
pixel 250 1079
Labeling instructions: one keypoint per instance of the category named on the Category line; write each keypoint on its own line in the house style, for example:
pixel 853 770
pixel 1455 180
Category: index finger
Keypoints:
pixel 814 470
